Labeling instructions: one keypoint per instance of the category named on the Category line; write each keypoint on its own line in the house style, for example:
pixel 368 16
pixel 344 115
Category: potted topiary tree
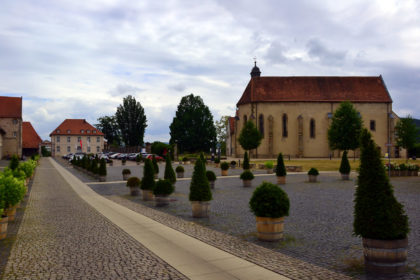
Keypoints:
pixel 134 184
pixel 155 167
pixel 186 160
pixel 126 174
pixel 245 165
pixel 313 174
pixel 378 217
pixel 14 162
pixel 169 171
pixel 123 161
pixel 345 167
pixel 138 159
pixel 13 192
pixel 269 166
pixel 200 193
pixel 111 162
pixel 280 170
pixel 179 171
pixel 270 204
pixel 211 177
pixel 3 224
pixel 162 190
pixel 217 162
pixel 148 182
pixel 247 178
pixel 224 166
pixel 102 171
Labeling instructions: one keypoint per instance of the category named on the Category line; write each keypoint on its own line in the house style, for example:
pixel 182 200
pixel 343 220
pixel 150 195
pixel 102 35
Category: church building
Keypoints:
pixel 294 113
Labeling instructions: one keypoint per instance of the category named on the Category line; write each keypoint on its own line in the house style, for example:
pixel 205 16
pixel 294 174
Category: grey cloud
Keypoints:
pixel 317 50
pixel 178 87
pixel 125 89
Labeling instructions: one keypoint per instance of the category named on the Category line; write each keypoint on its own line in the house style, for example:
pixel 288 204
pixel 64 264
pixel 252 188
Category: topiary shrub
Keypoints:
pixel 224 165
pixel 102 168
pixel 210 175
pixel 268 200
pixel 133 182
pixel 280 168
pixel 245 165
pixel 345 165
pixel 313 171
pixel 185 159
pixel 148 182
pixel 28 168
pixel 269 164
pixel 138 158
pixel 217 160
pixel 377 213
pixel 155 165
pixel 247 175
pixel 13 189
pixel 169 171
pixel 179 169
pixel 199 187
pixel 94 166
pixel 163 188
pixel 126 171
pixel 14 162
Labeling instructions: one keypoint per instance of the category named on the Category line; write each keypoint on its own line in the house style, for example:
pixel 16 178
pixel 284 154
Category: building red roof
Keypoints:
pixel 10 107
pixel 315 89
pixel 76 127
pixel 30 139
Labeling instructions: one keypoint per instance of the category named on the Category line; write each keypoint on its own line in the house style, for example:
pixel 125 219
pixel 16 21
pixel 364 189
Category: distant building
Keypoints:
pixel 294 113
pixel 76 135
pixel 30 140
pixel 10 126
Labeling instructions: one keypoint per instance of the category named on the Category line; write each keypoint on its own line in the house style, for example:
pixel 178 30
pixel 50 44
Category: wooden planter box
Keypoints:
pixel 270 229
pixel 224 172
pixel 312 178
pixel 147 195
pixel 247 183
pixel 126 176
pixel 161 200
pixel 281 180
pixel 345 177
pixel 200 209
pixel 134 191
pixel 180 174
pixel 212 184
pixel 3 227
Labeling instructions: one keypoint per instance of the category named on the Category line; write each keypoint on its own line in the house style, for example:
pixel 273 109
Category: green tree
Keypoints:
pixel 221 132
pixel 148 181
pixel 159 148
pixel 344 132
pixel 250 137
pixel 155 165
pixel 169 171
pixel 245 165
pixel 406 133
pixel 131 121
pixel 192 127
pixel 377 213
pixel 102 167
pixel 280 168
pixel 108 125
pixel 199 186
pixel 345 165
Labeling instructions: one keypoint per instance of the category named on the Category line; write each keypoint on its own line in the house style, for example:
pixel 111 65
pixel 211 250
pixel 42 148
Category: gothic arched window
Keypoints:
pixel 284 121
pixel 261 124
pixel 312 128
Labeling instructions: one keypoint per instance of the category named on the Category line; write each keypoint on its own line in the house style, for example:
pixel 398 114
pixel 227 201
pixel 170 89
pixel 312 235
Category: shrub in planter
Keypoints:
pixel 245 165
pixel 233 164
pixel 123 161
pixel 102 170
pixel 13 192
pixel 126 173
pixel 345 167
pixel 14 162
pixel 179 171
pixel 169 171
pixel 162 190
pixel 111 162
pixel 270 204
pixel 28 168
pixel 94 166
pixel 155 166
pixel 185 159
pixel 312 174
pixel 134 184
pixel 148 181
pixel 200 193
pixel 378 217
pixel 269 166
pixel 217 160
pixel 224 166
pixel 211 177
pixel 280 170
pixel 247 178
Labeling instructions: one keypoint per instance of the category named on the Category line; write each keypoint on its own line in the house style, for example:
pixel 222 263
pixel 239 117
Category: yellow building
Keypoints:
pixel 294 113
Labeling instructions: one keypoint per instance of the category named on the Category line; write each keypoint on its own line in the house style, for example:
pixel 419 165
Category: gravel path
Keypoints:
pixel 61 237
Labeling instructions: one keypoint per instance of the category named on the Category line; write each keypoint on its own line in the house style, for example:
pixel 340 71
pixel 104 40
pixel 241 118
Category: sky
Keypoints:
pixel 79 59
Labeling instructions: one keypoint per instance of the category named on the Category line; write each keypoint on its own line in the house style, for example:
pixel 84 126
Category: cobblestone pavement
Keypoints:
pixel 318 230
pixel 61 237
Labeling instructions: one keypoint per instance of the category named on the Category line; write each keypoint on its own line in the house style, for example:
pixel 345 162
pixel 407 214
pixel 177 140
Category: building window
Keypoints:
pixel 14 134
pixel 79 149
pixel 312 128
pixel 68 139
pixel 88 138
pixel 88 131
pixel 58 148
pixel 94 131
pixel 15 121
pixel 58 138
pixel 284 121
pixel 68 149
pixel 261 124
pixel 97 149
pixel 372 125
pixel 98 139
pixel 88 149
pixel 79 139
pixel 58 131
pixel 82 131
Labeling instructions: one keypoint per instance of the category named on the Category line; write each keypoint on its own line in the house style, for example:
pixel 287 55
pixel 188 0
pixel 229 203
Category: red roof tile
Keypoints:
pixel 30 139
pixel 10 107
pixel 75 127
pixel 315 89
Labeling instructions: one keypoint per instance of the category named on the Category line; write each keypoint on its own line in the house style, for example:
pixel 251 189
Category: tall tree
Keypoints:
pixel 109 126
pixel 346 125
pixel 131 121
pixel 192 127
pixel 221 131
pixel 250 137
pixel 406 133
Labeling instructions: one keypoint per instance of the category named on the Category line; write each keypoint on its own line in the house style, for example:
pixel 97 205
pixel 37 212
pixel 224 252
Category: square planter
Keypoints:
pixel 200 209
pixel 147 195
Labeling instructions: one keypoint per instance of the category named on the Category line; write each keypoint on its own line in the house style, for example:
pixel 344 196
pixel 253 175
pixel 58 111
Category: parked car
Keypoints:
pixel 150 156
pixel 133 156
pixel 68 156
pixel 114 156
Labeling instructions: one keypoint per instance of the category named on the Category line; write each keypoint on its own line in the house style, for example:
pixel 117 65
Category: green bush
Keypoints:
pixel 126 171
pixel 155 165
pixel 345 165
pixel 179 168
pixel 199 187
pixel 269 200
pixel 148 182
pixel 133 182
pixel 269 164
pixel 245 166
pixel 313 171
pixel 163 187
pixel 224 165
pixel 169 171
pixel 184 159
pixel 233 163
pixel 138 158
pixel 217 160
pixel 102 168
pixel 28 167
pixel 94 166
pixel 377 213
pixel 13 190
pixel 210 175
pixel 159 148
pixel 14 162
pixel 280 168
pixel 247 175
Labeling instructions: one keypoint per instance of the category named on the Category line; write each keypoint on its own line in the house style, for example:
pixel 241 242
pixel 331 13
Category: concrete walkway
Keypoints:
pixel 191 257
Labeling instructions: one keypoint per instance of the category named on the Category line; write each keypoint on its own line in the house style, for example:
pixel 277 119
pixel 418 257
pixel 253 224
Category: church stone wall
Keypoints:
pixel 12 140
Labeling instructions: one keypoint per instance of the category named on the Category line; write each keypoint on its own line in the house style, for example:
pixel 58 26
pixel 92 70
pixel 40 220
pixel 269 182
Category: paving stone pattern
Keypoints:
pixel 61 237
pixel 318 230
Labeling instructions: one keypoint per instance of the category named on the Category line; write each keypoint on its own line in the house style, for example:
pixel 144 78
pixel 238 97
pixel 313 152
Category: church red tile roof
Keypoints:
pixel 315 89
pixel 10 107
pixel 30 139
pixel 75 127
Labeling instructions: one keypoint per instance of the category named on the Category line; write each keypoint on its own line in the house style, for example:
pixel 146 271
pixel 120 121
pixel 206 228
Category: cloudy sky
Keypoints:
pixel 78 59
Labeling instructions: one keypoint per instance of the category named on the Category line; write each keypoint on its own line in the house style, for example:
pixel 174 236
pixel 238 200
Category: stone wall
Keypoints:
pixel 12 140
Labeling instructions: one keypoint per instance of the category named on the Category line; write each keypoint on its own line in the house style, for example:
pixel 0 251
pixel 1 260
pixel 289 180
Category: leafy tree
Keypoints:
pixel 199 186
pixel 131 121
pixel 344 132
pixel 148 181
pixel 406 133
pixel 377 213
pixel 250 137
pixel 169 171
pixel 245 165
pixel 108 125
pixel 221 132
pixel 192 127
pixel 159 148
